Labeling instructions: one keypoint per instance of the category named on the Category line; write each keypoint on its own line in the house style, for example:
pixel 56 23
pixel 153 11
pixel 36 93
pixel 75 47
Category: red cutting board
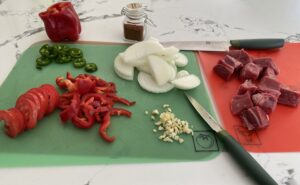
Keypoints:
pixel 282 135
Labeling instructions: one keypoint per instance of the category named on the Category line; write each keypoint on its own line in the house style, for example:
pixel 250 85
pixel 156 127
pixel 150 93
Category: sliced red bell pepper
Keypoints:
pixel 121 100
pixel 61 22
pixel 119 112
pixel 84 86
pixel 72 110
pixel 85 121
pixel 96 102
pixel 103 127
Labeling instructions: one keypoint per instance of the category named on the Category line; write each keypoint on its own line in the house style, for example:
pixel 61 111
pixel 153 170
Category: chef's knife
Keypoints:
pixel 271 43
pixel 234 148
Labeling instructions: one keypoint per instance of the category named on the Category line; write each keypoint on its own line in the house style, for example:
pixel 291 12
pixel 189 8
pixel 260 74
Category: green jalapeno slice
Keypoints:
pixel 79 62
pixel 90 67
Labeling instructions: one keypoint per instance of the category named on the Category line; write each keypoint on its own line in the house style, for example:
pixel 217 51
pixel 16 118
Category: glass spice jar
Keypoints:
pixel 134 26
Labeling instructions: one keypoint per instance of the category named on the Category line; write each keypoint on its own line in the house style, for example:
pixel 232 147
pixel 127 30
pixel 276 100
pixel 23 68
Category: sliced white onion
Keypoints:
pixel 148 83
pixel 123 70
pixel 141 50
pixel 187 82
pixel 182 73
pixel 161 71
pixel 180 60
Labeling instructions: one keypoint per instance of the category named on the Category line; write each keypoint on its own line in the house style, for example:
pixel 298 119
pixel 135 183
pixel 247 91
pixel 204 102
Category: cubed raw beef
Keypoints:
pixel 289 96
pixel 233 62
pixel 250 71
pixel 267 83
pixel 223 70
pixel 254 118
pixel 247 86
pixel 240 55
pixel 269 72
pixel 240 103
pixel 266 62
pixel 265 101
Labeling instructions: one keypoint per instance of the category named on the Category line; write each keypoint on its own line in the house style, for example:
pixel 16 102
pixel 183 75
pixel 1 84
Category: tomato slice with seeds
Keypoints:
pixel 13 126
pixel 20 117
pixel 29 110
pixel 52 95
pixel 33 97
pixel 43 99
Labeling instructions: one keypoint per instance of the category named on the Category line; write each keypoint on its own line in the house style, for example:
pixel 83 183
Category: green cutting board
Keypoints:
pixel 54 143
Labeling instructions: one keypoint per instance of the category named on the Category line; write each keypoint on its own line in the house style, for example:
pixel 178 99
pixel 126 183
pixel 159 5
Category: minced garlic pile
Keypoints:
pixel 170 126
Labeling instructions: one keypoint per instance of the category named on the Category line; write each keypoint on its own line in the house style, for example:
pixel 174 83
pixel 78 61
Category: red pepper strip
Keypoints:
pixel 66 84
pixel 100 111
pixel 84 85
pixel 72 110
pixel 98 97
pixel 104 125
pixel 119 112
pixel 61 22
pixel 84 122
pixel 65 100
pixel 121 100
pixel 70 77
pixel 60 82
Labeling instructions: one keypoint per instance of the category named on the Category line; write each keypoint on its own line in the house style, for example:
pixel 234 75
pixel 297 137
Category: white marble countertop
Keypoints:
pixel 176 20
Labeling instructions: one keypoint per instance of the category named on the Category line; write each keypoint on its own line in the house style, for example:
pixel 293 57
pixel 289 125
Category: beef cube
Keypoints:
pixel 250 71
pixel 255 118
pixel 247 86
pixel 289 96
pixel 269 83
pixel 233 62
pixel 269 72
pixel 240 55
pixel 266 62
pixel 265 101
pixel 224 70
pixel 240 103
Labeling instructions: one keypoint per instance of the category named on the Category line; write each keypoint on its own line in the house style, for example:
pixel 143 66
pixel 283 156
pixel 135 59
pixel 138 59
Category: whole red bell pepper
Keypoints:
pixel 61 22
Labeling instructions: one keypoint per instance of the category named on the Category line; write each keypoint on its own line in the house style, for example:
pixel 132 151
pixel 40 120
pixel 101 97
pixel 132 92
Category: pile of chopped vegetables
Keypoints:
pixel 63 54
pixel 89 99
pixel 171 126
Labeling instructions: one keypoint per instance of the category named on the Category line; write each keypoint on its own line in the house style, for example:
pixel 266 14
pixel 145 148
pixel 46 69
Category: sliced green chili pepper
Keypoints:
pixel 43 61
pixel 90 67
pixel 61 48
pixel 75 53
pixel 63 58
pixel 79 62
pixel 48 51
pixel 44 51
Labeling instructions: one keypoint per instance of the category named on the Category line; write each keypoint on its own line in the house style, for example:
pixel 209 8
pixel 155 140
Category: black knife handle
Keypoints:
pixel 245 160
pixel 257 43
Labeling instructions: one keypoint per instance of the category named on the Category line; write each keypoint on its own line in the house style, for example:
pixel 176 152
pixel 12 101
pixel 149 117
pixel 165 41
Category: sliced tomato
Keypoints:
pixel 20 117
pixel 34 98
pixel 29 110
pixel 42 97
pixel 52 95
pixel 14 125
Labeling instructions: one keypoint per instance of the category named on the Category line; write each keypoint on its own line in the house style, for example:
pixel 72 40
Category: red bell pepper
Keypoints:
pixel 61 22
pixel 104 125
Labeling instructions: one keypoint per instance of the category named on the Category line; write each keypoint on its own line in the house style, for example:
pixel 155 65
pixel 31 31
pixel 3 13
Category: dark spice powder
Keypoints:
pixel 134 32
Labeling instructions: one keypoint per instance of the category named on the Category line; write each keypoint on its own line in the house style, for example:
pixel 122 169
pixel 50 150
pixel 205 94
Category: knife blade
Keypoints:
pixel 244 159
pixel 270 43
